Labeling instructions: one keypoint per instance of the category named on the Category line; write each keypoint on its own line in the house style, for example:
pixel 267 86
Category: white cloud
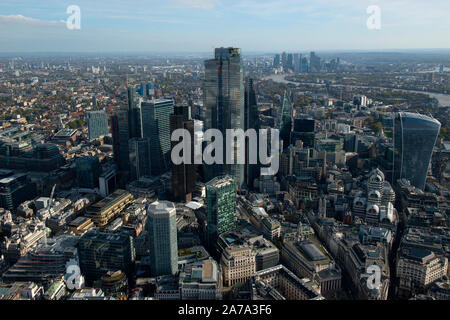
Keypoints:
pixel 20 19
pixel 197 4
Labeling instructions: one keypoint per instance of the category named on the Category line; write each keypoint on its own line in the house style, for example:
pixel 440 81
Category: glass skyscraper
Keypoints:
pixel 134 113
pixel 88 172
pixel 139 154
pixel 221 200
pixel 162 232
pixel 97 124
pixel 156 127
pixel 121 135
pixel 224 104
pixel 415 136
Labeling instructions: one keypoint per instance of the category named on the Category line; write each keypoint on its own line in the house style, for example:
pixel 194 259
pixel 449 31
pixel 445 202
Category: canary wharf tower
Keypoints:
pixel 223 95
pixel 414 138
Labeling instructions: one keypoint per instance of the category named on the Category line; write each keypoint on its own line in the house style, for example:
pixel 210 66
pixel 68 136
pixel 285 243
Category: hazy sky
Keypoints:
pixel 198 25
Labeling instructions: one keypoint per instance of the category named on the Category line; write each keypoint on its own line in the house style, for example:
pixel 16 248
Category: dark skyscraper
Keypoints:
pixel 14 190
pixel 224 104
pixel 290 61
pixel 121 135
pixel 314 63
pixel 284 60
pixel 277 61
pixel 156 127
pixel 183 175
pixel 139 153
pixel 88 172
pixel 415 136
pixel 303 130
pixel 134 113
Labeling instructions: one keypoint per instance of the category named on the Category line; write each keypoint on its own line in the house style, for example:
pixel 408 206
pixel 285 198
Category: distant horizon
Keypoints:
pixel 243 51
pixel 192 26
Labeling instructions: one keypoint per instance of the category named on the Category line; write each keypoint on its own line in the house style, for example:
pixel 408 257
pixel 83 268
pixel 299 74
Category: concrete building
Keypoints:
pixel 238 265
pixel 162 231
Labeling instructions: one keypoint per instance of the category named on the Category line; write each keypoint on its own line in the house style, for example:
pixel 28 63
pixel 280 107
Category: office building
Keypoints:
pixel 108 180
pixel 252 171
pixel 44 157
pixel 97 122
pixel 223 101
pixel 104 211
pixel 44 263
pixel 314 63
pixel 140 158
pixel 121 136
pixel 88 172
pixel 277 61
pixel 183 175
pixel 279 283
pixel 201 280
pixel 415 136
pixel 156 127
pixel 101 252
pixel 14 190
pixel 418 267
pixel 221 201
pixel 238 265
pixel 134 113
pixel 162 232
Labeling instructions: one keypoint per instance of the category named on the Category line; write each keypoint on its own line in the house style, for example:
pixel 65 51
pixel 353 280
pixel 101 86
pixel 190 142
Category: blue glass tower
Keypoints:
pixel 415 136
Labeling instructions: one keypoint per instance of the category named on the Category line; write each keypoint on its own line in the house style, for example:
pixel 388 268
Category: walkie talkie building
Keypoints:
pixel 415 136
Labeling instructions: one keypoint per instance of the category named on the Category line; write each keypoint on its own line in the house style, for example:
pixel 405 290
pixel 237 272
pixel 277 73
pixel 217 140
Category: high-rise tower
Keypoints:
pixel 156 127
pixel 162 232
pixel 224 104
pixel 183 175
pixel 415 136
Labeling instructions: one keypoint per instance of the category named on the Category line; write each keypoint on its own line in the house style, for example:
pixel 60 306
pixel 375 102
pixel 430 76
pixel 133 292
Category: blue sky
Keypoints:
pixel 199 25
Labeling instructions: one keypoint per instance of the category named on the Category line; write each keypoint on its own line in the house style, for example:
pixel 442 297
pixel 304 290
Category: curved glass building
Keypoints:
pixel 415 136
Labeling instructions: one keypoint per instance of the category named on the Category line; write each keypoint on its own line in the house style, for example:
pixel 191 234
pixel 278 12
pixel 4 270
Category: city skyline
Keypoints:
pixel 194 26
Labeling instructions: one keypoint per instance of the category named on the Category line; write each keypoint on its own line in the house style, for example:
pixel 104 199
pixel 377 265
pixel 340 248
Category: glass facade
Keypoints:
pixel 156 127
pixel 88 172
pixel 415 136
pixel 97 124
pixel 224 100
pixel 121 135
pixel 102 252
pixel 140 164
pixel 221 199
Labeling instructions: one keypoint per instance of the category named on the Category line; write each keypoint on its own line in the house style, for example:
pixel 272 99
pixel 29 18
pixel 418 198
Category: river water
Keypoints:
pixel 444 99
